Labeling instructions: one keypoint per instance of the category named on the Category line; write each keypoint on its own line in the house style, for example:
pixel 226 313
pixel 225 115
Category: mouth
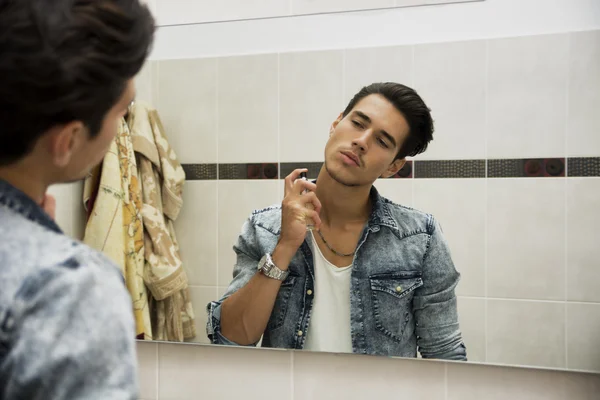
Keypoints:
pixel 350 158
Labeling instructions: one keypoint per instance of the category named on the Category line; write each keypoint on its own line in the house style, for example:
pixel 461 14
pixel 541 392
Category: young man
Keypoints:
pixel 66 69
pixel 373 277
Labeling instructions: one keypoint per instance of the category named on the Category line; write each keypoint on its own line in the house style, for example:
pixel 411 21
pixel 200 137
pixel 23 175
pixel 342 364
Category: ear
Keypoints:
pixel 394 168
pixel 335 123
pixel 64 141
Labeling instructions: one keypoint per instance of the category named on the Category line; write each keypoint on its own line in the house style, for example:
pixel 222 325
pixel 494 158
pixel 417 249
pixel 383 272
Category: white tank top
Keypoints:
pixel 329 326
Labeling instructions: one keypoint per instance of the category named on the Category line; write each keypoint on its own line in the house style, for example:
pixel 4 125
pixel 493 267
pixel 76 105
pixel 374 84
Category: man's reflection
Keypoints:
pixel 372 277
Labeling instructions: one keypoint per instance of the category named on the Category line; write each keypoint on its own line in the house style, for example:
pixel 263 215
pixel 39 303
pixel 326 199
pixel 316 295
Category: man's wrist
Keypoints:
pixel 282 255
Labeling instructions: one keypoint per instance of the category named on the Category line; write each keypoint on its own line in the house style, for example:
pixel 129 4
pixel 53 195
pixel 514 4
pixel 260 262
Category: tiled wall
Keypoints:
pixel 172 12
pixel 512 173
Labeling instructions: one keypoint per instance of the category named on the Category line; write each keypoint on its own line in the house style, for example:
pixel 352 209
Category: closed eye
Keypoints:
pixel 384 144
pixel 357 124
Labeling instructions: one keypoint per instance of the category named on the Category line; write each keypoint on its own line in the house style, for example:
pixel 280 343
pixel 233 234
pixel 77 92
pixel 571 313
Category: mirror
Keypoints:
pixel 511 178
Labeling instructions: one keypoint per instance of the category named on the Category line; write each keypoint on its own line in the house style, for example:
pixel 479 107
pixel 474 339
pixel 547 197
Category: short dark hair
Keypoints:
pixel 64 61
pixel 412 107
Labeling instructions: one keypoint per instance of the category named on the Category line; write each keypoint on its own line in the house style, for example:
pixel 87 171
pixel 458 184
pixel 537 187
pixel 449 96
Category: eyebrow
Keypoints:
pixel 367 119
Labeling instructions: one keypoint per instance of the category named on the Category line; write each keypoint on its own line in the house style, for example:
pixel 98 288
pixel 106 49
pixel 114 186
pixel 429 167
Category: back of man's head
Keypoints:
pixel 64 61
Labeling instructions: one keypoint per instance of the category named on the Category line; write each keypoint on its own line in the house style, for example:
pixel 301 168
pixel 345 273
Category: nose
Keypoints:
pixel 362 141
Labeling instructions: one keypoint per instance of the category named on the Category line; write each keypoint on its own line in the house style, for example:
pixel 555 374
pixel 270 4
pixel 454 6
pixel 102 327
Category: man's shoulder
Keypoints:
pixel 409 220
pixel 268 218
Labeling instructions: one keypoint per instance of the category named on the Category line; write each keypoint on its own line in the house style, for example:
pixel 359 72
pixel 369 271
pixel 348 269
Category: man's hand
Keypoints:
pixel 294 211
pixel 49 205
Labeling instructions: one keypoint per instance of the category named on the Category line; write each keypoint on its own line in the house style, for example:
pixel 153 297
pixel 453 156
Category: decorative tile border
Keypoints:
pixel 503 168
pixel 450 169
pixel 585 166
pixel 525 168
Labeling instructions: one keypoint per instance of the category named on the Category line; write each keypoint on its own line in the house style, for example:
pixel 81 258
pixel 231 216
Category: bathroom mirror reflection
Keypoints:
pixel 480 247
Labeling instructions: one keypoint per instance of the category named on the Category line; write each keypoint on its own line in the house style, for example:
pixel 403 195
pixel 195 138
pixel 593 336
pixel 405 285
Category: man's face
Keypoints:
pixel 91 151
pixel 363 145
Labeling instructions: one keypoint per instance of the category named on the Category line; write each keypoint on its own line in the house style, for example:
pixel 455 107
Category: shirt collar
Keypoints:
pixel 18 202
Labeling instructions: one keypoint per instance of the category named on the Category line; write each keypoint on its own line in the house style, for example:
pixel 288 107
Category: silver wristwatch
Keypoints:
pixel 270 270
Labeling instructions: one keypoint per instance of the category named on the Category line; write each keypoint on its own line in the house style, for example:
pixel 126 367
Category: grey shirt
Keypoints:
pixel 66 322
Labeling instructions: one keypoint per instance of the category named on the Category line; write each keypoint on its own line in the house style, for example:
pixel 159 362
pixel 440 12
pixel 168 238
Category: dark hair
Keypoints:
pixel 412 107
pixel 64 61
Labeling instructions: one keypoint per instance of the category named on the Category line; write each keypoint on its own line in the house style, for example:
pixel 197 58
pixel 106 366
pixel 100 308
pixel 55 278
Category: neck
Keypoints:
pixel 26 179
pixel 342 205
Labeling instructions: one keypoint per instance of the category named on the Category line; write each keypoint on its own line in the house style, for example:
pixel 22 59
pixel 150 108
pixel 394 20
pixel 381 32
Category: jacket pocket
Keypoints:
pixel 281 303
pixel 391 296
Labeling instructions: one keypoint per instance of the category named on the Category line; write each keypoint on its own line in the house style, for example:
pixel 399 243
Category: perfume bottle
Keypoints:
pixel 310 225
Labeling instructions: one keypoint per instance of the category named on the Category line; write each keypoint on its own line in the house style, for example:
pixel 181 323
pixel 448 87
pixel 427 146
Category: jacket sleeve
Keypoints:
pixel 247 258
pixel 70 335
pixel 435 306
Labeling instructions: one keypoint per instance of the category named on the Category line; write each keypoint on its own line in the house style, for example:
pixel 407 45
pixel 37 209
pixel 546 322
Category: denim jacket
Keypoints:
pixel 66 321
pixel 402 286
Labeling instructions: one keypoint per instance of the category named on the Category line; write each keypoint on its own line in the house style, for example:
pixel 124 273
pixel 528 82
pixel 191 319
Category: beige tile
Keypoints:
pixel 147 354
pixel 451 79
pixel 201 296
pixel 248 103
pixel 526 238
pixel 310 101
pixel 584 97
pixel 408 3
pixel 583 322
pixel 582 386
pixel 459 205
pixel 145 83
pixel 237 200
pixel 527 96
pixel 477 382
pixel 187 102
pixel 321 6
pixel 196 229
pixel 197 11
pixel 376 64
pixel 70 214
pixel 327 376
pixel 189 372
pixel 583 252
pixel 526 333
pixel 400 191
pixel 471 316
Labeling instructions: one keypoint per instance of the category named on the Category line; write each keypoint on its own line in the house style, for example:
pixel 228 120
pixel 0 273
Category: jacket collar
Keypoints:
pixel 380 214
pixel 18 202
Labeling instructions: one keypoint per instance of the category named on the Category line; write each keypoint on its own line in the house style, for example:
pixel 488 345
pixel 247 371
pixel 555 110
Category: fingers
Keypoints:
pixel 291 178
pixel 311 198
pixel 301 185
pixel 314 215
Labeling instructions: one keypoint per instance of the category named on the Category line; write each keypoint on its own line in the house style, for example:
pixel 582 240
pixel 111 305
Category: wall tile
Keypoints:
pixel 527 96
pixel 186 102
pixel 322 6
pixel 526 238
pixel 145 83
pixel 196 229
pixel 475 382
pixel 582 386
pixel 400 191
pixel 189 372
pixel 526 333
pixel 248 102
pixel 147 355
pixel 327 376
pixel 450 77
pixel 311 100
pixel 471 316
pixel 584 94
pixel 237 199
pixel 70 214
pixel 200 297
pixel 462 217
pixel 407 3
pixel 376 64
pixel 583 252
pixel 184 11
pixel 583 324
